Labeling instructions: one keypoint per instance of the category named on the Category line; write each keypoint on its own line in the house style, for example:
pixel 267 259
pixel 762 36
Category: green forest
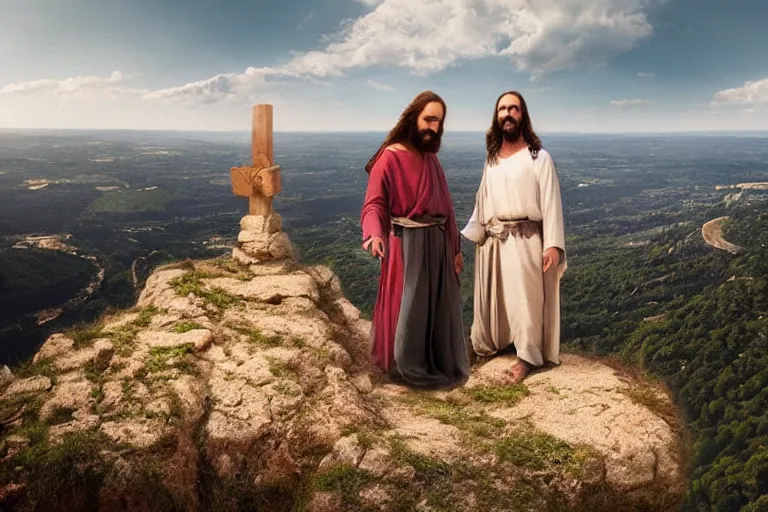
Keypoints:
pixel 692 316
pixel 642 286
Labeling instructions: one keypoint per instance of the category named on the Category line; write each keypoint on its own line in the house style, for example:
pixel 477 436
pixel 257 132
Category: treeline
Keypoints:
pixel 31 280
pixel 697 318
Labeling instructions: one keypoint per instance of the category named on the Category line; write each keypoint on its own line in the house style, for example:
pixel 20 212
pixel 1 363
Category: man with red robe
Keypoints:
pixel 408 222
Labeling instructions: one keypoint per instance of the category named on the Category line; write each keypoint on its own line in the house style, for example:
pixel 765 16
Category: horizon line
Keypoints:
pixel 381 131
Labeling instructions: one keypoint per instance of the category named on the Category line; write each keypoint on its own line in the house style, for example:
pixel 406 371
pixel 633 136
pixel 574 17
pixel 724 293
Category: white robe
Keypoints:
pixel 514 301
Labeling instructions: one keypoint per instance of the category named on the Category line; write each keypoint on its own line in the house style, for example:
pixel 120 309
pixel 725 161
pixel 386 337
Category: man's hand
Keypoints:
pixel 459 263
pixel 374 246
pixel 551 258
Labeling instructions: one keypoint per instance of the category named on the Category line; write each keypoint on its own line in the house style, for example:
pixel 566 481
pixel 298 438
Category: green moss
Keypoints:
pixel 298 342
pixel 260 339
pixel 345 480
pixel 432 476
pixel 94 371
pixel 123 340
pixel 145 316
pixel 42 367
pixel 191 282
pixel 186 327
pixel 160 357
pixel 532 449
pixel 84 334
pixel 428 470
pixel 97 393
pixel 26 407
pixel 63 475
pixel 282 369
pixel 60 415
pixel 285 389
pixel 476 423
pixel 506 395
pixel 649 398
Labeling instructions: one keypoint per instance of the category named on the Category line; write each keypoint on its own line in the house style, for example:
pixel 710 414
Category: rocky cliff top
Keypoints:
pixel 247 387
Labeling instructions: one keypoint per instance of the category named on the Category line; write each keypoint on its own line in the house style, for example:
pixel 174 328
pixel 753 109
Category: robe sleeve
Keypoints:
pixel 551 204
pixel 374 216
pixel 473 230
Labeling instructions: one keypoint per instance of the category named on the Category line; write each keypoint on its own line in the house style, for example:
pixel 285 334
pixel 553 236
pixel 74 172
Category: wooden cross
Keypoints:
pixel 261 181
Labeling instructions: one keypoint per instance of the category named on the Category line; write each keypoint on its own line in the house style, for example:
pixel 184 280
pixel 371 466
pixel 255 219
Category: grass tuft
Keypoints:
pixel 506 395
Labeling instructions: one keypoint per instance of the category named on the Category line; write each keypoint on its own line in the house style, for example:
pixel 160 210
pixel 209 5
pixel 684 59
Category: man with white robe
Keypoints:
pixel 518 228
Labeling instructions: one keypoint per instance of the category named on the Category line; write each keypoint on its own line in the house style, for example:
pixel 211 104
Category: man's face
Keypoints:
pixel 509 114
pixel 428 134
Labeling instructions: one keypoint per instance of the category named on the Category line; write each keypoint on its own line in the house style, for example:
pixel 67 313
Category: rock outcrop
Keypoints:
pixel 246 386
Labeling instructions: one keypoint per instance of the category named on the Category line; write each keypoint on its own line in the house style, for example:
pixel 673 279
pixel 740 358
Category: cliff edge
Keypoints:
pixel 247 387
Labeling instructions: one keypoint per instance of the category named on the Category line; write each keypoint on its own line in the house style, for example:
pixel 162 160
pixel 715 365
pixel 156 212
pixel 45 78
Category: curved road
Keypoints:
pixel 713 235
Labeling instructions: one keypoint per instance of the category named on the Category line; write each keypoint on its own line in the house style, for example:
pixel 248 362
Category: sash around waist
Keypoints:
pixel 501 229
pixel 418 222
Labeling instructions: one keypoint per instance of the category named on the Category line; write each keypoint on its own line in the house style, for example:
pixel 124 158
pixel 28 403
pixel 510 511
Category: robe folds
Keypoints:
pixel 417 329
pixel 515 302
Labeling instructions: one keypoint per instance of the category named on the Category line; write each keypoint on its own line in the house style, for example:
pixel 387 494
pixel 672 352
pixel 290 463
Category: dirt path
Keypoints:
pixel 712 233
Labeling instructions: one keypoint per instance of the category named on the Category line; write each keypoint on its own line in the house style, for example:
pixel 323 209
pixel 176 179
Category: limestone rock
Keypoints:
pixel 99 354
pixel 272 289
pixel 73 395
pixel 378 462
pixel 6 375
pixel 265 247
pixel 198 338
pixel 347 450
pixel 363 383
pixel 326 502
pixel 242 258
pixel 34 384
pixel 377 496
pixel 272 223
pixel 279 391
pixel 137 432
pixel 55 346
pixel 582 402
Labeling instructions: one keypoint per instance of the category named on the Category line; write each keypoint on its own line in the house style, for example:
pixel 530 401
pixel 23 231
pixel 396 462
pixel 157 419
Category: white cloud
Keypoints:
pixel 755 91
pixel 222 87
pixel 645 75
pixel 634 102
pixel 431 35
pixel 380 86
pixel 88 87
pixel 426 37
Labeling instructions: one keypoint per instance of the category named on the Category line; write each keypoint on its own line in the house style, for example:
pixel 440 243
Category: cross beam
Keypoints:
pixel 261 180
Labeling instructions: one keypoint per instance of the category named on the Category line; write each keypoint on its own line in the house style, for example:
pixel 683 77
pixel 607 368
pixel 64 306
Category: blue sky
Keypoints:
pixel 583 65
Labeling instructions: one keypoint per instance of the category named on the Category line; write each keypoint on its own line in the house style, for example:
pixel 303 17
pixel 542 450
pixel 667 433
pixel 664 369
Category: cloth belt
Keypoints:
pixel 419 222
pixel 501 229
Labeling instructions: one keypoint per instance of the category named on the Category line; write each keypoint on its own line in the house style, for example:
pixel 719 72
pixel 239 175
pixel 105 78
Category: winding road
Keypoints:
pixel 713 235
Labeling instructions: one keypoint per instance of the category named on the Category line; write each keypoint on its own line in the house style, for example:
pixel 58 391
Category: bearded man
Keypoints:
pixel 408 222
pixel 517 224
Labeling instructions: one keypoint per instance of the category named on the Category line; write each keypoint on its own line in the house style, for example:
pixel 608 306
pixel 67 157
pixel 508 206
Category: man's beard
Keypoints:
pixel 426 141
pixel 510 134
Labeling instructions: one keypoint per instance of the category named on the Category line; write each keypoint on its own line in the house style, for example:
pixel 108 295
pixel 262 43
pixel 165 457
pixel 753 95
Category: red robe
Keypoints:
pixel 399 186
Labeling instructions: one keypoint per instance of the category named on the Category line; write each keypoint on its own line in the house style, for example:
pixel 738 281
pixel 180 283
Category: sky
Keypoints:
pixel 609 66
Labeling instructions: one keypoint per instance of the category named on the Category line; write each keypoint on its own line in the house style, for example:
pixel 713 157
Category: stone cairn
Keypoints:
pixel 261 238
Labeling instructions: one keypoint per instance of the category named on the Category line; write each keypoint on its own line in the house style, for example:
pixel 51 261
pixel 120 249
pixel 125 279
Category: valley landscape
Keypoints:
pixel 666 241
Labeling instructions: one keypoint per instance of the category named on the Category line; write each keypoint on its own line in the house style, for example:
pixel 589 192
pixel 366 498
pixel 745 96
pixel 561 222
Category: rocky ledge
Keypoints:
pixel 235 387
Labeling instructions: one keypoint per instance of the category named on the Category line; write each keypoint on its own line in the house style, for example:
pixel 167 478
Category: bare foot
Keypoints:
pixel 519 372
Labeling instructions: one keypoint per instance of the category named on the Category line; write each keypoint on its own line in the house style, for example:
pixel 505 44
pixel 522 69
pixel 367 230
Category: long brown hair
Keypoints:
pixel 407 124
pixel 494 136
